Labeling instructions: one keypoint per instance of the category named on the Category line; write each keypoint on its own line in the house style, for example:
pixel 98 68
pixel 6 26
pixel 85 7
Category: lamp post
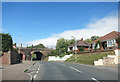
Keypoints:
pixel 75 48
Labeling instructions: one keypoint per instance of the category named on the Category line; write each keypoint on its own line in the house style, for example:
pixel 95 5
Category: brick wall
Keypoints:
pixel 6 58
pixel 10 57
pixel 15 57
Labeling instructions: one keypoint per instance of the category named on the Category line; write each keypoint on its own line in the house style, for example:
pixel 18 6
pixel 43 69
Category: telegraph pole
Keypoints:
pixel 75 48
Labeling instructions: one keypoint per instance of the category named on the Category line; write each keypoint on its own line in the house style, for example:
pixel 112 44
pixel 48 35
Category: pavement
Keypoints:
pixel 16 71
pixel 44 70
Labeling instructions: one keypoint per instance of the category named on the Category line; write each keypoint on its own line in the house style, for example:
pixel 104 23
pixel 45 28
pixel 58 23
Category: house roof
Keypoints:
pixel 111 35
pixel 80 43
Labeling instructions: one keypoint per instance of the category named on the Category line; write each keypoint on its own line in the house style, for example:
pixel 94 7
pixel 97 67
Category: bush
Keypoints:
pixel 53 53
pixel 62 55
pixel 68 53
pixel 71 52
pixel 81 49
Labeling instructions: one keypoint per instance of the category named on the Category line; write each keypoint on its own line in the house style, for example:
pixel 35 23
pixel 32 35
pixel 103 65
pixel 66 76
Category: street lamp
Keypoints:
pixel 75 48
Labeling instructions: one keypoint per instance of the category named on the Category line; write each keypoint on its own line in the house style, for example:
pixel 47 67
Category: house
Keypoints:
pixel 79 43
pixel 108 41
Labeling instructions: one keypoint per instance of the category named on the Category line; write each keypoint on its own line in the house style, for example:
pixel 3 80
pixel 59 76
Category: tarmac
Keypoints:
pixel 16 71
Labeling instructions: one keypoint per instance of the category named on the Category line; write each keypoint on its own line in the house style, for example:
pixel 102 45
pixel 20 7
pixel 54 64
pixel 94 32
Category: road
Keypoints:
pixel 44 70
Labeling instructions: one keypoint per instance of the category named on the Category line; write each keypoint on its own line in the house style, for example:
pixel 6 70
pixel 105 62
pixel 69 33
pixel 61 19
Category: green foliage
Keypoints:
pixel 81 49
pixel 118 42
pixel 14 44
pixel 53 53
pixel 37 46
pixel 71 41
pixel 62 55
pixel 68 53
pixel 98 42
pixel 62 45
pixel 94 38
pixel 6 42
pixel 89 58
pixel 33 56
pixel 88 40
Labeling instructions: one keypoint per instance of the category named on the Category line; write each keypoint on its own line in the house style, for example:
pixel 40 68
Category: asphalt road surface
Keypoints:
pixel 44 70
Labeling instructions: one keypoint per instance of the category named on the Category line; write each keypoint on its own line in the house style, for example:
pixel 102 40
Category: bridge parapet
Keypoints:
pixel 28 51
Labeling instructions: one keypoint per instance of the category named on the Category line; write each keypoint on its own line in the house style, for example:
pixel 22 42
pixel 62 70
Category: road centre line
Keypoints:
pixel 37 71
pixel 94 79
pixel 76 69
pixel 34 76
pixel 61 64
pixel 39 67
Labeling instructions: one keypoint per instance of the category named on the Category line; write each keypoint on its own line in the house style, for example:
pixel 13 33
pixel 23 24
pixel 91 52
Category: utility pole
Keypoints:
pixel 75 48
pixel 19 49
pixel 21 45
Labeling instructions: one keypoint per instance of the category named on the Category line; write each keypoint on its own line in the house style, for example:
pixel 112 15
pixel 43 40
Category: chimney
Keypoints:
pixel 81 39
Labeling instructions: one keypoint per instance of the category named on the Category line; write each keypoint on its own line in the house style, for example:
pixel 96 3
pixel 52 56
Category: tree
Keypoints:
pixel 94 38
pixel 98 43
pixel 37 46
pixel 62 45
pixel 7 42
pixel 71 41
pixel 88 40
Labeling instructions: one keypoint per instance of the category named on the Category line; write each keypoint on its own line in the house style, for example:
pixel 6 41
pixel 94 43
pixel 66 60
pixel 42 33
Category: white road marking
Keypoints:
pixel 32 72
pixel 39 67
pixel 61 64
pixel 76 69
pixel 34 76
pixel 94 79
pixel 37 71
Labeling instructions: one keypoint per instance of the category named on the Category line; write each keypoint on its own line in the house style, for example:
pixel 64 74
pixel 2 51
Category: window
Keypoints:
pixel 110 43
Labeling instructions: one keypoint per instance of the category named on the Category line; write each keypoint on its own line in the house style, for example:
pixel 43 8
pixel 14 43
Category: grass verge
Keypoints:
pixel 88 58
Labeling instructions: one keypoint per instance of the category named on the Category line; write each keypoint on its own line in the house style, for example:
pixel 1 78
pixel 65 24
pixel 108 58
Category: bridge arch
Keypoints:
pixel 39 55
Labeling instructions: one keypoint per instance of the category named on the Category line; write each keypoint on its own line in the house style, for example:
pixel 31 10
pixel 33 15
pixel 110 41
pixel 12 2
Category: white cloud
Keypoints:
pixel 48 42
pixel 0 29
pixel 99 27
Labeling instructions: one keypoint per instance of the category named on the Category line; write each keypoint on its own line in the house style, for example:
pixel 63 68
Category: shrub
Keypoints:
pixel 68 53
pixel 81 49
pixel 62 55
pixel 53 53
pixel 98 42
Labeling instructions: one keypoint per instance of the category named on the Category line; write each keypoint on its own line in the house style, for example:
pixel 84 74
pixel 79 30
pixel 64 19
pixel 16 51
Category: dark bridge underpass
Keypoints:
pixel 39 56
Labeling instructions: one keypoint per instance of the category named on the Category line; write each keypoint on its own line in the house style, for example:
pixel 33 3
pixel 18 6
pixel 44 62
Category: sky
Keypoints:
pixel 45 22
